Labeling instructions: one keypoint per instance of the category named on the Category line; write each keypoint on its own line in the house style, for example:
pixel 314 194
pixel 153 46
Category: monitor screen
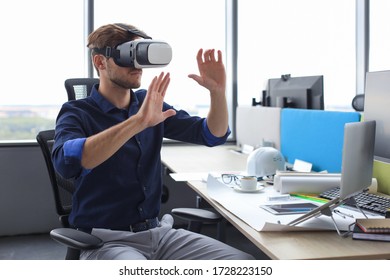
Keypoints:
pixel 377 107
pixel 295 92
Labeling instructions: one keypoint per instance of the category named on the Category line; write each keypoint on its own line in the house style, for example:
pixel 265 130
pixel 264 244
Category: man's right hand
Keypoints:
pixel 151 112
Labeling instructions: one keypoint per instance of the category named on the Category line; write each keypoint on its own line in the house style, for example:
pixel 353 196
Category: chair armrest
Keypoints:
pixel 76 239
pixel 197 215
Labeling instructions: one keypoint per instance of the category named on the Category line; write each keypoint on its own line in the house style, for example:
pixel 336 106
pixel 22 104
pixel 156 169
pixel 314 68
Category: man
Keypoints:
pixel 110 143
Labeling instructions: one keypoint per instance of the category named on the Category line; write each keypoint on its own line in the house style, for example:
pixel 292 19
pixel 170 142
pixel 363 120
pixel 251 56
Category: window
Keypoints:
pixel 187 26
pixel 301 38
pixel 379 35
pixel 40 49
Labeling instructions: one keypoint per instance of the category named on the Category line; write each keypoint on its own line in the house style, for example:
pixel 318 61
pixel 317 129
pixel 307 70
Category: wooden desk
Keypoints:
pixel 277 245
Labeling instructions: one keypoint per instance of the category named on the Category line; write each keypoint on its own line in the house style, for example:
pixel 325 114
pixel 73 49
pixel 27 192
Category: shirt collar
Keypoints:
pixel 106 105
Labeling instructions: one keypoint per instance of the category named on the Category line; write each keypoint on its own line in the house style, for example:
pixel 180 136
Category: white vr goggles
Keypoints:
pixel 143 53
pixel 139 53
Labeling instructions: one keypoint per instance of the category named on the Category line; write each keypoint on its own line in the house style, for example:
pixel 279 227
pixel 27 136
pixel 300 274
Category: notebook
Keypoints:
pixel 359 234
pixel 374 225
pixel 357 165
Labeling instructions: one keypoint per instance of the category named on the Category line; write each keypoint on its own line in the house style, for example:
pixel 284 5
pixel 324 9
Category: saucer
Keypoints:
pixel 258 188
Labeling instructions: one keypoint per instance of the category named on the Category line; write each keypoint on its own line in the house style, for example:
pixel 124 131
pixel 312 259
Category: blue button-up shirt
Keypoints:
pixel 127 187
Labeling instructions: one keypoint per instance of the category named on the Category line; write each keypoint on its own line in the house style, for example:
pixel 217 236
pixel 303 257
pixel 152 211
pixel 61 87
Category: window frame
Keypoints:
pixel 231 24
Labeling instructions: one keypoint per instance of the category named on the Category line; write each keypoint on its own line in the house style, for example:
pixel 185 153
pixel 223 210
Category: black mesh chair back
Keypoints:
pixel 63 189
pixel 79 87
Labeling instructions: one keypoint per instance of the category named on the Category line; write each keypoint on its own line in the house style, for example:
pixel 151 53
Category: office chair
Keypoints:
pixel 79 87
pixel 62 189
pixel 358 102
pixel 197 217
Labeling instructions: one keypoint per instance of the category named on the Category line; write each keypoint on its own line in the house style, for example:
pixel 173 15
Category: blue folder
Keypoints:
pixel 315 136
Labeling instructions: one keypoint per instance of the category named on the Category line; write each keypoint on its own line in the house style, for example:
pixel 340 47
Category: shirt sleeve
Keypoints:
pixel 73 149
pixel 210 139
pixel 67 160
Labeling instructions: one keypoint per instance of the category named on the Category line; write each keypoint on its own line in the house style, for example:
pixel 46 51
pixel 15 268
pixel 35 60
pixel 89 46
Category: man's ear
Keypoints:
pixel 100 62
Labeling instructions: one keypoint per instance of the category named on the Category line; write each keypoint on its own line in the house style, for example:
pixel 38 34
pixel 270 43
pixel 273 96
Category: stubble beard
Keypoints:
pixel 126 81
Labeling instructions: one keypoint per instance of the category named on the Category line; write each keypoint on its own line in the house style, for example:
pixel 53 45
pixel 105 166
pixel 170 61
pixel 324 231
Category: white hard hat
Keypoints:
pixel 265 161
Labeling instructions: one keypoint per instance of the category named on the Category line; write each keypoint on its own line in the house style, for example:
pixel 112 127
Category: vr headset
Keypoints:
pixel 139 53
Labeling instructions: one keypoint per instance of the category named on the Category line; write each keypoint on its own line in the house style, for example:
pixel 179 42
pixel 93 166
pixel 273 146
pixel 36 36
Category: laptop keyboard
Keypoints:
pixel 366 201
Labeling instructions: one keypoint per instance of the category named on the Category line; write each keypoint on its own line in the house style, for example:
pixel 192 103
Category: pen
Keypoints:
pixel 342 214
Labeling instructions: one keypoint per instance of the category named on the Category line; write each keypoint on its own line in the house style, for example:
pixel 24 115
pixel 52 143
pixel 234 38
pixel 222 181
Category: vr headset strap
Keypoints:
pixel 108 52
pixel 133 31
pixel 114 53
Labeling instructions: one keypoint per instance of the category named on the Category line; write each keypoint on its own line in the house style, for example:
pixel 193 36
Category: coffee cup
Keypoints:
pixel 248 183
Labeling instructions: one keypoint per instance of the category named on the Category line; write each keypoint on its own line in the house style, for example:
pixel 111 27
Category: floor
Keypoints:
pixel 30 247
pixel 42 247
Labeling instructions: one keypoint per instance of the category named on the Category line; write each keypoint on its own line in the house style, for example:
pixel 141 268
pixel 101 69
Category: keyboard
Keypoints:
pixel 366 201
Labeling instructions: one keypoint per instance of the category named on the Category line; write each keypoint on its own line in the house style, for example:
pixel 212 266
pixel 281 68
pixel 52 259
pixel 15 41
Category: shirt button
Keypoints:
pixel 140 209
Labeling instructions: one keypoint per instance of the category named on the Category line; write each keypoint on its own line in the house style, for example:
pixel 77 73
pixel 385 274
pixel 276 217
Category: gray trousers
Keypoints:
pixel 161 243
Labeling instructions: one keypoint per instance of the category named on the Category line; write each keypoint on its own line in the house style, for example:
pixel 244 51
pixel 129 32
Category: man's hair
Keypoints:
pixel 110 35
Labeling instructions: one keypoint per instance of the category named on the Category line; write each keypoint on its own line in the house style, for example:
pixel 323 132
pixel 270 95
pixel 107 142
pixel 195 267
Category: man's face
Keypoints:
pixel 125 77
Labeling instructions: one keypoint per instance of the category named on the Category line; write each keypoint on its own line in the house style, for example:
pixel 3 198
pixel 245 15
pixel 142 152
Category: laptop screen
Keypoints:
pixel 358 157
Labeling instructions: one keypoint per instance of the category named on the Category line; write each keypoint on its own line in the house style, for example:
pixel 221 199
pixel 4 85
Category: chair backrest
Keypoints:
pixel 358 102
pixel 62 188
pixel 79 87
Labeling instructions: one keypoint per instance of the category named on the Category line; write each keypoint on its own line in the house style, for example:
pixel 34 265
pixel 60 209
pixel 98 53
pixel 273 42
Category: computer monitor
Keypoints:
pixel 295 92
pixel 377 107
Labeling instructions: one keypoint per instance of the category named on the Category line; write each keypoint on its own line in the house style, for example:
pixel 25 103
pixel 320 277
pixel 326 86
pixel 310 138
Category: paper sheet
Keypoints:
pixel 246 206
pixel 189 176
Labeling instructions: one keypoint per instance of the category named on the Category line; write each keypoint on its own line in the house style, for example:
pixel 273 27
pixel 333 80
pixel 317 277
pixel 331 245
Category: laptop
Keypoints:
pixel 356 169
